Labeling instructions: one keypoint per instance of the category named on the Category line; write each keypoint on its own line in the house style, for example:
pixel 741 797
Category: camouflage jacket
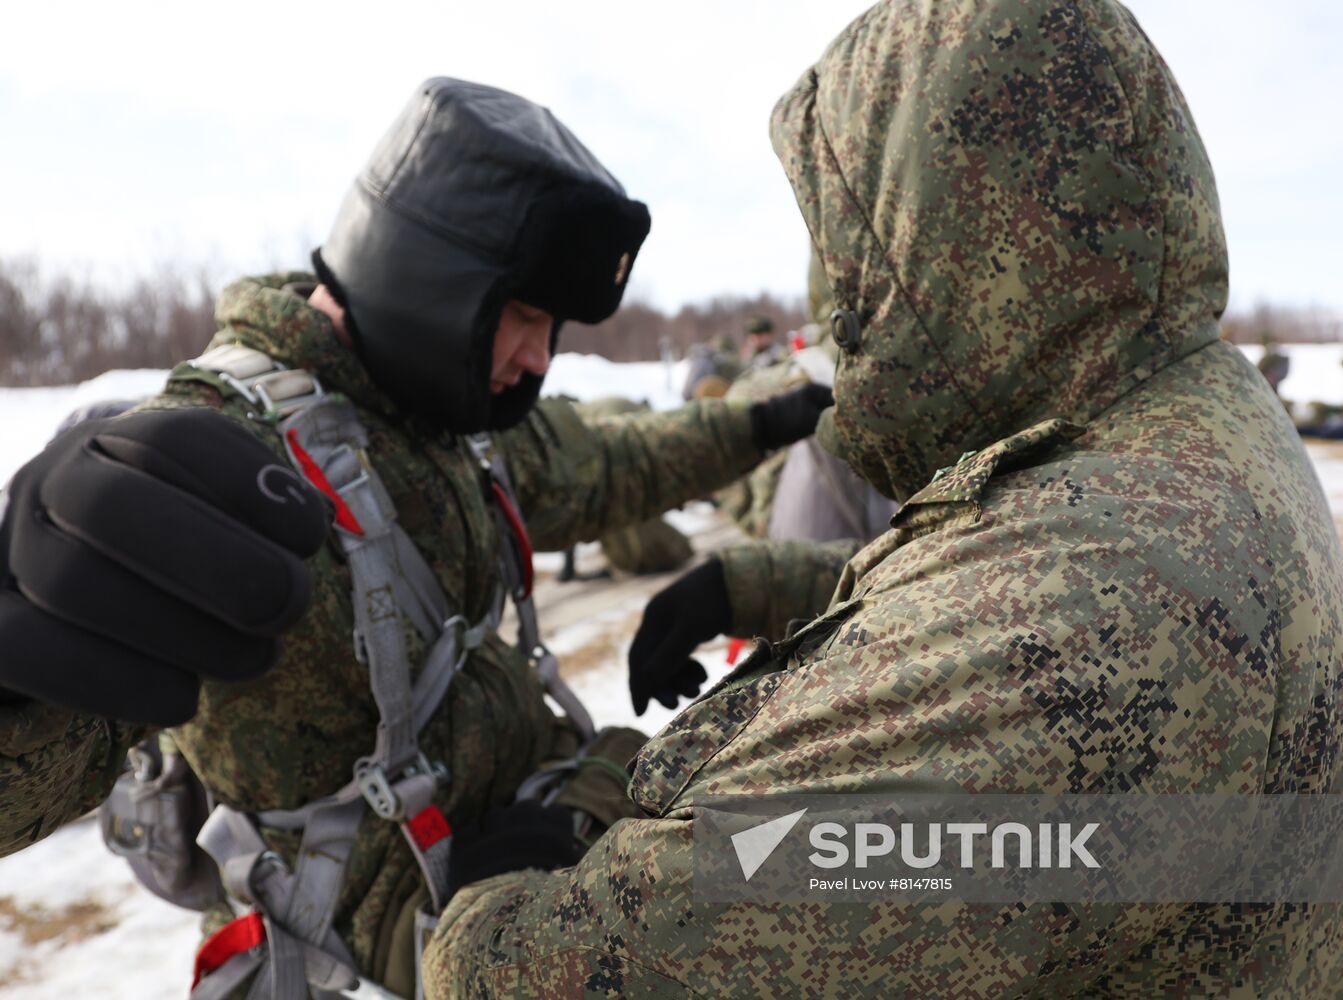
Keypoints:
pixel 294 735
pixel 1132 584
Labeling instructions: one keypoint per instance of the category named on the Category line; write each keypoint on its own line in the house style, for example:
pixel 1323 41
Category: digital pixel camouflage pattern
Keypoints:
pixel 774 584
pixel 653 546
pixel 294 735
pixel 1131 586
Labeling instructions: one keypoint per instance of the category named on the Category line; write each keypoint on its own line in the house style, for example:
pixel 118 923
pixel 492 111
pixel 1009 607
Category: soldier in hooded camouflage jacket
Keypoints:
pixel 1114 570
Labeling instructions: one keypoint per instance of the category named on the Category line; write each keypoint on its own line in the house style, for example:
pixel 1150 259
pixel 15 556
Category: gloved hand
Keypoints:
pixel 690 611
pixel 140 554
pixel 525 834
pixel 790 416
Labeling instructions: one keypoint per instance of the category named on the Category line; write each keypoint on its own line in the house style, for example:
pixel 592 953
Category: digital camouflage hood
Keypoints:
pixel 475 196
pixel 1013 203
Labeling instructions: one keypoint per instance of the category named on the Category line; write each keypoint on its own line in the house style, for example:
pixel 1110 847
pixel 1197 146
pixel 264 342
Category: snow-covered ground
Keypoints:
pixel 73 923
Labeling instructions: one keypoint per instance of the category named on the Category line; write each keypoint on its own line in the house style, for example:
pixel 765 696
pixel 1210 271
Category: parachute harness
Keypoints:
pixel 283 931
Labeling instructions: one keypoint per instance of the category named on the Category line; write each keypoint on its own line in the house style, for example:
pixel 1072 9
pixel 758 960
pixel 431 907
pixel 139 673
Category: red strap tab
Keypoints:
pixel 734 648
pixel 520 535
pixel 428 826
pixel 344 516
pixel 235 937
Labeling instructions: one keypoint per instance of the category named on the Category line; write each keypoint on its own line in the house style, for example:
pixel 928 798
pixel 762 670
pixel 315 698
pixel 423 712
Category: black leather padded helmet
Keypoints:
pixel 475 196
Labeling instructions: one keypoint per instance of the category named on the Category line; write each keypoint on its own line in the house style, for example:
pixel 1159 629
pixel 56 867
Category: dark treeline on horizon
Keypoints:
pixel 57 330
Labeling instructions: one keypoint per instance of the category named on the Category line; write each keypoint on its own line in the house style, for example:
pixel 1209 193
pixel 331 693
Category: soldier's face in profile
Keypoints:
pixel 521 344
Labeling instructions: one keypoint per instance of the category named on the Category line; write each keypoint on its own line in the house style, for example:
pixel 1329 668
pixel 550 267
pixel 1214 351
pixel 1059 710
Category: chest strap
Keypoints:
pixel 516 568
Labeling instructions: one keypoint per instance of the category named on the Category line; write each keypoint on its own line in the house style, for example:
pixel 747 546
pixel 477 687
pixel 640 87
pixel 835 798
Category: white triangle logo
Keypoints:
pixel 754 846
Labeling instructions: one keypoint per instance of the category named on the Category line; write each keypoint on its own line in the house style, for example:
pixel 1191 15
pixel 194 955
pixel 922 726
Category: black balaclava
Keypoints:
pixel 475 196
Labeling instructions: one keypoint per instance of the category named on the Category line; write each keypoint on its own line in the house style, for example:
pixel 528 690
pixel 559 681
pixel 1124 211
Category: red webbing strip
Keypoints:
pixel 428 826
pixel 344 516
pixel 519 530
pixel 734 648
pixel 235 937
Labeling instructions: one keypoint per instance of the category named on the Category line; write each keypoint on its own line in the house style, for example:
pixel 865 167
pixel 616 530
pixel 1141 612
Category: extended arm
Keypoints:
pixel 55 766
pixel 104 611
pixel 576 480
pixel 772 583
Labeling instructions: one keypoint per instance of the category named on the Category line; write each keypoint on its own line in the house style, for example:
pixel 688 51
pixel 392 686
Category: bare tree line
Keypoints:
pixel 1270 324
pixel 638 331
pixel 58 329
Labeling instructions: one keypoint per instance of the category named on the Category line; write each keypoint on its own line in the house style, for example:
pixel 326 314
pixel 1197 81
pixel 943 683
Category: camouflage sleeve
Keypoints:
pixel 625 923
pixel 54 767
pixel 772 583
pixel 576 480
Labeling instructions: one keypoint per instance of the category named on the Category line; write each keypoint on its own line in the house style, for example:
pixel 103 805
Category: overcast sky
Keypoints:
pixel 136 133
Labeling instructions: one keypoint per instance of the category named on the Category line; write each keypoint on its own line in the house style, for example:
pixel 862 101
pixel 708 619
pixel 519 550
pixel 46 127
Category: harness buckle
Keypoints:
pixel 285 384
pixel 238 386
pixel 377 790
pixel 380 791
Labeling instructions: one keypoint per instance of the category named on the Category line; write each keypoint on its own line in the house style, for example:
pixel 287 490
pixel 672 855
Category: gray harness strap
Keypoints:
pixel 529 631
pixel 258 877
pixel 395 779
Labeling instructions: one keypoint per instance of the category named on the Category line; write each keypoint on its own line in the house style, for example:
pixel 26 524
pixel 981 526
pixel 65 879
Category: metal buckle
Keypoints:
pixel 146 766
pixel 377 790
pixel 284 407
pixel 126 836
pixel 240 387
pixel 483 448
pixel 380 791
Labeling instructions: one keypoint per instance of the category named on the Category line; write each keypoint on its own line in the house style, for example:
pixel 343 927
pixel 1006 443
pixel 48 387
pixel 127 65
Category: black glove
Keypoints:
pixel 690 611
pixel 142 553
pixel 789 417
pixel 523 835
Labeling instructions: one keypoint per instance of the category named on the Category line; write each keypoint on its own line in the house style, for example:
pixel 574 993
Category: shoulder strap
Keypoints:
pixel 275 390
pixel 516 566
pixel 326 442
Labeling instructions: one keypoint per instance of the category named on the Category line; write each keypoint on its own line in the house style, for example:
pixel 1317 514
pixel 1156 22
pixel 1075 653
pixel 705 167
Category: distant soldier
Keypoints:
pixel 1322 419
pixel 1274 366
pixel 761 348
pixel 713 368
